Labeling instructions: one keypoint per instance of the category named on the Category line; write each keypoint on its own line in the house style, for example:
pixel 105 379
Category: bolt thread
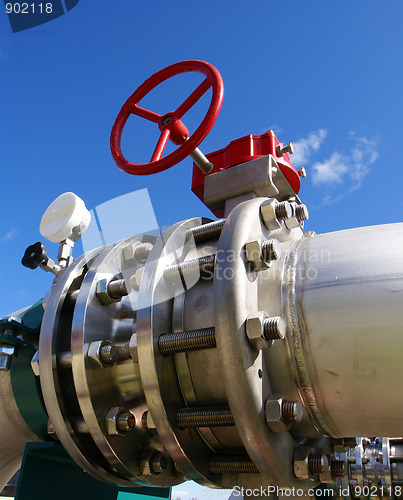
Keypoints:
pixel 301 213
pixel 350 442
pixel 125 421
pixel 106 354
pixel 192 340
pixel 274 328
pixel 127 353
pixel 118 288
pixel 315 463
pixel 204 417
pixel 290 411
pixel 234 463
pixel 190 270
pixel 206 232
pixel 270 250
pixel 337 468
pixel 283 210
pixel 159 463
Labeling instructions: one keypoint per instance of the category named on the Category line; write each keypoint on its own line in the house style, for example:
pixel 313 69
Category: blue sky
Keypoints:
pixel 325 75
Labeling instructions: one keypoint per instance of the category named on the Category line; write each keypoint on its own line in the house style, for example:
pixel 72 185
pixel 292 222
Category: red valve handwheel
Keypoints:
pixel 170 124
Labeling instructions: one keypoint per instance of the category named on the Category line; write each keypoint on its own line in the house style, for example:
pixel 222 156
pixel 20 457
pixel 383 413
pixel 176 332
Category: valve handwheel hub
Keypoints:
pixel 169 124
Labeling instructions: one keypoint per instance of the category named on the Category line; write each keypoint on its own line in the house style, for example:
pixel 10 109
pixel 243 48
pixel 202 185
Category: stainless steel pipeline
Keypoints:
pixel 344 306
pixel 338 297
pixel 14 432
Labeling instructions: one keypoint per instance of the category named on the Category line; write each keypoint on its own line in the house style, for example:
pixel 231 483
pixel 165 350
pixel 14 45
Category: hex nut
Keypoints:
pixel 268 214
pixel 253 253
pixel 135 280
pixel 159 463
pixel 133 348
pixel 35 363
pixel 292 222
pixel 137 252
pixel 147 421
pixel 102 292
pixel 145 467
pixel 6 354
pixel 111 421
pixel 152 462
pixel 142 251
pixel 255 331
pixel 326 476
pixel 128 254
pixel 300 463
pixel 300 214
pixel 274 414
pixel 94 353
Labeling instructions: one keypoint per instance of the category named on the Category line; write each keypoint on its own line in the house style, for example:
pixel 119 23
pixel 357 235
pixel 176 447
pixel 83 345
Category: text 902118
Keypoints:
pixel 29 8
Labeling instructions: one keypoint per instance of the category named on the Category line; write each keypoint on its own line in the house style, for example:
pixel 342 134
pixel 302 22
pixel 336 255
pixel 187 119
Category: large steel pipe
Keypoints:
pixel 343 294
pixel 14 432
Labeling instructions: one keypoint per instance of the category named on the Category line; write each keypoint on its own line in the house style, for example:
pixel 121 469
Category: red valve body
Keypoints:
pixel 242 150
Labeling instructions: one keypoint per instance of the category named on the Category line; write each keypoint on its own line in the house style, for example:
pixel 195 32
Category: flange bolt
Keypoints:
pixel 301 213
pixel 274 328
pixel 125 421
pixel 283 210
pixel 291 412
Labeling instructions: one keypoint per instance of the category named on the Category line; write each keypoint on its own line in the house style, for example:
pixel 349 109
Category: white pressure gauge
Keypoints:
pixel 66 218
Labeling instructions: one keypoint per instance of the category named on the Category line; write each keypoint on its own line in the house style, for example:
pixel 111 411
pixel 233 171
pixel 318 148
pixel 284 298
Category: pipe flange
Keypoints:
pixel 244 370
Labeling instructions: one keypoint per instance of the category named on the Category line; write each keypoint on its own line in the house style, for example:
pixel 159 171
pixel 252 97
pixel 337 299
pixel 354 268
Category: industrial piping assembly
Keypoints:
pixel 235 352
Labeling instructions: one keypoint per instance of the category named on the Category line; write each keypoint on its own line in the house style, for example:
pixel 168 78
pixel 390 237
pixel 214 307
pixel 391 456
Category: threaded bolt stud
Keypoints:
pixel 270 250
pixel 192 340
pixel 337 468
pixel 291 412
pixel 192 269
pixel 232 463
pixel 206 232
pixel 204 417
pixel 317 463
pixel 159 463
pixel 350 442
pixel 118 288
pixel 105 354
pixel 274 328
pixel 301 213
pixel 125 421
pixel 283 210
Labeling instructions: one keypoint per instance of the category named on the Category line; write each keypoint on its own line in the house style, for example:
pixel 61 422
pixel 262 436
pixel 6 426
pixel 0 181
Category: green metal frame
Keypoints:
pixel 26 386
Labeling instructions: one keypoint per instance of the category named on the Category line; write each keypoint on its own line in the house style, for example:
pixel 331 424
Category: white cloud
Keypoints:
pixel 351 166
pixel 305 147
pixel 11 235
pixel 330 171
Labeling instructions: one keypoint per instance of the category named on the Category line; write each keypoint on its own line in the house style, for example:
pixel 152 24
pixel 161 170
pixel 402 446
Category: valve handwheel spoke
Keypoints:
pixel 170 124
pixel 159 148
pixel 193 98
pixel 143 113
